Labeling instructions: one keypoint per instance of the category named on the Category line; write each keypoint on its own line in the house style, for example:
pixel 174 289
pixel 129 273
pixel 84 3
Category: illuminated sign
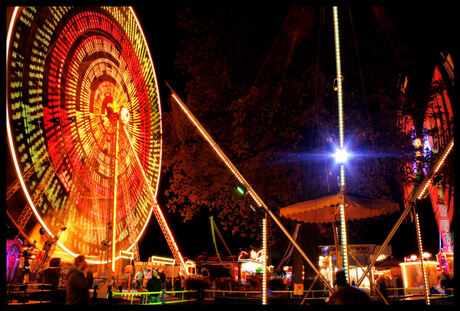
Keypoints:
pixel 190 264
pixel 251 256
pixel 126 255
pixel 162 260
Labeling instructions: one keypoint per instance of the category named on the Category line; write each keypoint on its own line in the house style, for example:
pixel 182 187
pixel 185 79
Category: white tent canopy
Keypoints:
pixel 323 210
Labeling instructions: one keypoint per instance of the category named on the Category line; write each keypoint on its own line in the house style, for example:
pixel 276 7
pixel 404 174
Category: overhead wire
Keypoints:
pixel 361 76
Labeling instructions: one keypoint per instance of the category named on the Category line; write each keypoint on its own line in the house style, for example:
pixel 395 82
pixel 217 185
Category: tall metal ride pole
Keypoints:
pixel 420 250
pixel 339 79
pixel 265 251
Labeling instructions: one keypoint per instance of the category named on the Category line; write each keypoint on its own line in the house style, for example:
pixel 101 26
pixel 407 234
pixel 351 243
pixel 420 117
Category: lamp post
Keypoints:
pixel 341 154
pixel 264 251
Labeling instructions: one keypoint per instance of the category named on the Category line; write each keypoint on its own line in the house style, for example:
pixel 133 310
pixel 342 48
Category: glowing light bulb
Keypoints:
pixel 341 156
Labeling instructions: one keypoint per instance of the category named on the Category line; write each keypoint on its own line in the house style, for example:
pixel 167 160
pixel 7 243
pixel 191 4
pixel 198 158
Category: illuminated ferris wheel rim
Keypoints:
pixel 15 159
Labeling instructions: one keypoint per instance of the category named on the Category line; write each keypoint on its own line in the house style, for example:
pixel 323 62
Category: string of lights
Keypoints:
pixel 420 248
pixel 264 267
pixel 343 227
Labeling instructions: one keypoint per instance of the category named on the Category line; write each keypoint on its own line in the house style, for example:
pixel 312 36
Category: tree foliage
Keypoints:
pixel 266 97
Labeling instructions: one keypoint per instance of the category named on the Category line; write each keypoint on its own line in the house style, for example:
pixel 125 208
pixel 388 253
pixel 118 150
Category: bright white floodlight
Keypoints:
pixel 341 156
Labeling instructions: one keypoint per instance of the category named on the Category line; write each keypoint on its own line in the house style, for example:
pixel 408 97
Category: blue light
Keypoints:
pixel 341 156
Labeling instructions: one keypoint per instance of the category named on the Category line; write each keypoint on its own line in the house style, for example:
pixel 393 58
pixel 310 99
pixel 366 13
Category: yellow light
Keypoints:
pixel 437 167
pixel 114 221
pixel 11 143
pixel 162 260
pixel 341 135
pixel 126 255
pixel 160 124
pixel 264 250
pixel 190 263
pixel 344 240
pixel 339 74
pixel 425 278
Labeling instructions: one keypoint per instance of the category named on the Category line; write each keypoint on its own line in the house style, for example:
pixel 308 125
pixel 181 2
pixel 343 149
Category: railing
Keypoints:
pixel 143 297
pixel 392 292
pixel 313 294
pixel 22 292
pixel 401 292
pixel 212 293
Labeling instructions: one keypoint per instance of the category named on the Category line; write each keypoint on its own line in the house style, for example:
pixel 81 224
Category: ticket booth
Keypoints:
pixel 412 275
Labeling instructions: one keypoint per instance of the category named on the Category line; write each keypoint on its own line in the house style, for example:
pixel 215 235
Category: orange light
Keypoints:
pixel 126 255
pixel 264 251
pixel 162 219
pixel 162 260
pixel 115 188
pixel 339 74
pixel 426 255
pixel 160 124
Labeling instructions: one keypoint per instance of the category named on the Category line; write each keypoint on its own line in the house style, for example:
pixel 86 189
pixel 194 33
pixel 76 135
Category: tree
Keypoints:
pixel 270 106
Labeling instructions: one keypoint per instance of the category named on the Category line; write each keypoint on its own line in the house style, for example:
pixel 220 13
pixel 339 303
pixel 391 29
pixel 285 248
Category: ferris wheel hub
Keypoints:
pixel 124 115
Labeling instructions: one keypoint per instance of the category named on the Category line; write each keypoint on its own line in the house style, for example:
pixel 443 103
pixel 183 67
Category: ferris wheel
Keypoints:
pixel 84 127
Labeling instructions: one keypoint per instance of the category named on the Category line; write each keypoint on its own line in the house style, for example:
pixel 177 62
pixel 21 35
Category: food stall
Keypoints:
pixel 412 275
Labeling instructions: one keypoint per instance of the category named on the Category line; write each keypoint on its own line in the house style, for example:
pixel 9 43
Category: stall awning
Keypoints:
pixel 323 210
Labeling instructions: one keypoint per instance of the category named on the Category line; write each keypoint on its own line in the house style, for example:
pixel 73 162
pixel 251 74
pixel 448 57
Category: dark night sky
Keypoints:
pixel 159 25
pixel 420 32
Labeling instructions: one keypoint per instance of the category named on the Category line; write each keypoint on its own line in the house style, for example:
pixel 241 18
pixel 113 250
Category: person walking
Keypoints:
pixel 78 282
pixel 139 278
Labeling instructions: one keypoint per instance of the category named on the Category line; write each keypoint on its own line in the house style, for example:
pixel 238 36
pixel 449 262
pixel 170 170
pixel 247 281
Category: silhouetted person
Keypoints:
pixel 162 278
pixel 447 284
pixel 78 282
pixel 382 286
pixel 154 285
pixel 346 294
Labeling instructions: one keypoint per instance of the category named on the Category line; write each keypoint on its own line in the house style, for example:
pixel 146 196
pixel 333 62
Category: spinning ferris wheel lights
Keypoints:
pixel 75 74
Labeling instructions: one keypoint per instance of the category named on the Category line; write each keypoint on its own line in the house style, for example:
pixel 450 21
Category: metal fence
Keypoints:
pixel 316 295
pixel 165 297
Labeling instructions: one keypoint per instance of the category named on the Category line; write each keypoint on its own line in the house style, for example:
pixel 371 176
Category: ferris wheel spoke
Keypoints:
pixel 115 194
pixel 11 190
